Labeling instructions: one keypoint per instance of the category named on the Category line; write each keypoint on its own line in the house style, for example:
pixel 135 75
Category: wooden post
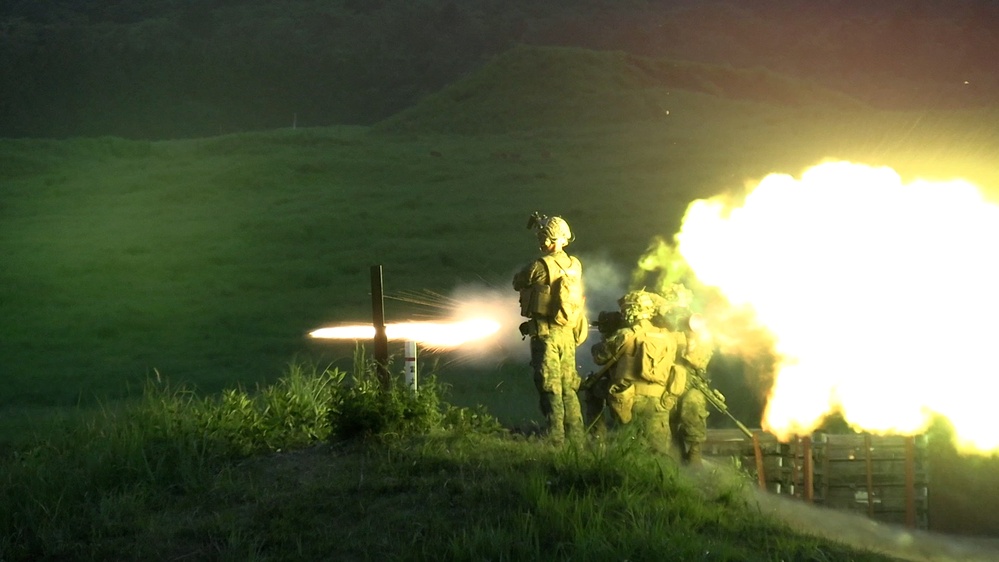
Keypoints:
pixel 378 318
pixel 761 478
pixel 795 467
pixel 809 484
pixel 824 455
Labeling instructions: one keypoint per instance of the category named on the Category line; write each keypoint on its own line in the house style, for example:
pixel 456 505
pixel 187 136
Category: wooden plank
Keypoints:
pixel 879 479
pixel 910 482
pixel 893 496
pixel 857 440
pixel 884 477
pixel 857 472
pixel 875 454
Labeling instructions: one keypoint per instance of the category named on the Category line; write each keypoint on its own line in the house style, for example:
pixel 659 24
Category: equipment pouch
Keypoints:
pixel 581 330
pixel 667 402
pixel 541 300
pixel 620 400
pixel 533 328
pixel 677 380
pixel 658 353
pixel 525 301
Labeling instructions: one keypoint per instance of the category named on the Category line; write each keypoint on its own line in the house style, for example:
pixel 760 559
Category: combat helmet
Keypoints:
pixel 676 295
pixel 640 305
pixel 677 302
pixel 550 229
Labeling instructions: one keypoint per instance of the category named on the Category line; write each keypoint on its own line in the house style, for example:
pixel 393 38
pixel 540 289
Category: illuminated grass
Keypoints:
pixel 253 476
pixel 210 259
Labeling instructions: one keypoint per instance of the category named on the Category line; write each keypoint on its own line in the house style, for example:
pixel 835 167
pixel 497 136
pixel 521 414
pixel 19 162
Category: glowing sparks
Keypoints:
pixel 880 296
pixel 433 334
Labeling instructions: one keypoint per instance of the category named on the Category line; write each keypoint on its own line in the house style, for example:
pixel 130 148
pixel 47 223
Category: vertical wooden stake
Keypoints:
pixel 761 478
pixel 378 318
pixel 809 469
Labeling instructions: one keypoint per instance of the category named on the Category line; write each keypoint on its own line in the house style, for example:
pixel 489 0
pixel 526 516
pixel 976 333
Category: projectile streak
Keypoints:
pixel 434 334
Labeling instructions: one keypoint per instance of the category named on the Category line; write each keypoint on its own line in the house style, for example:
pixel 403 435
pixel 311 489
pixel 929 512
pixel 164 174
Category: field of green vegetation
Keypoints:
pixel 204 263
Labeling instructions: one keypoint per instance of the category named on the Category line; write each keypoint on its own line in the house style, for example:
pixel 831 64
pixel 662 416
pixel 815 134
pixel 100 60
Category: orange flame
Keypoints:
pixel 880 296
pixel 434 334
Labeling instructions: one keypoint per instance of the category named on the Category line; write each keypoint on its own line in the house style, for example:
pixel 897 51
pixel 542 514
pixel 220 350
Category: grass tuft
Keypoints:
pixel 321 464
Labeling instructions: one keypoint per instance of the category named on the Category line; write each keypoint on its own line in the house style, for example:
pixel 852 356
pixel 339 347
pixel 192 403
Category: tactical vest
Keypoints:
pixel 561 301
pixel 648 356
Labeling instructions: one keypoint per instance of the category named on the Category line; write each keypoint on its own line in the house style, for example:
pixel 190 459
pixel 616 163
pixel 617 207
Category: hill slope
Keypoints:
pixel 537 87
pixel 156 69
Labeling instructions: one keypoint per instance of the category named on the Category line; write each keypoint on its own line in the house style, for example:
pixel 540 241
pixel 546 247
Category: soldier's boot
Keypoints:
pixel 693 456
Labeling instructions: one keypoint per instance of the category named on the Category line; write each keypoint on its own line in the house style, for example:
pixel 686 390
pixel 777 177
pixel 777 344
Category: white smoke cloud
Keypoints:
pixel 502 306
pixel 603 283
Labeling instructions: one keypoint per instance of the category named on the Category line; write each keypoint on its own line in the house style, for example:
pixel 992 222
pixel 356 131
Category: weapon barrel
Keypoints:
pixel 592 378
pixel 716 399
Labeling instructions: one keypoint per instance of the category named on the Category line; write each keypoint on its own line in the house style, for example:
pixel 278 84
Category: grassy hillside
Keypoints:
pixel 286 474
pixel 208 260
pixel 155 69
pixel 234 478
pixel 534 87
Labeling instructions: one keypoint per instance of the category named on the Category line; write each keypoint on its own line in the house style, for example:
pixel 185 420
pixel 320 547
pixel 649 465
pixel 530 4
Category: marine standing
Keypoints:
pixel 552 298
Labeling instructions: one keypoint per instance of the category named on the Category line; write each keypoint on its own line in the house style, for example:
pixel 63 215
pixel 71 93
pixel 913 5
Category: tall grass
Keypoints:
pixel 326 465
pixel 72 487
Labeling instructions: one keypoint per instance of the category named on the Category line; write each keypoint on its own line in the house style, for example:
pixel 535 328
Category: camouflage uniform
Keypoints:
pixel 553 358
pixel 596 388
pixel 553 346
pixel 594 403
pixel 640 381
pixel 690 421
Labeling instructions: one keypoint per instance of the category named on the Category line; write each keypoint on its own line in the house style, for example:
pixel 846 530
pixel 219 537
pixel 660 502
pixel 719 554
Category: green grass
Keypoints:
pixel 206 262
pixel 287 473
pixel 209 260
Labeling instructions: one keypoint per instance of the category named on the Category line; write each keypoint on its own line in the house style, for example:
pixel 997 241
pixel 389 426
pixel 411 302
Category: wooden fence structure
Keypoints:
pixel 885 477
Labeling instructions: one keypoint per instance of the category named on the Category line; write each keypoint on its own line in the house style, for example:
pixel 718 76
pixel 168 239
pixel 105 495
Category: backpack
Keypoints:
pixel 658 355
pixel 567 299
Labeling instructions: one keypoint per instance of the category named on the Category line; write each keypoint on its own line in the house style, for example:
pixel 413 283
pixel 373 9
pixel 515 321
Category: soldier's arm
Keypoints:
pixel 532 274
pixel 698 353
pixel 608 349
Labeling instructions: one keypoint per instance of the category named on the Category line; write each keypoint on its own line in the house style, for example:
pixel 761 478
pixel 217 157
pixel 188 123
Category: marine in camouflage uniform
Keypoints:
pixel 690 420
pixel 553 345
pixel 641 388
